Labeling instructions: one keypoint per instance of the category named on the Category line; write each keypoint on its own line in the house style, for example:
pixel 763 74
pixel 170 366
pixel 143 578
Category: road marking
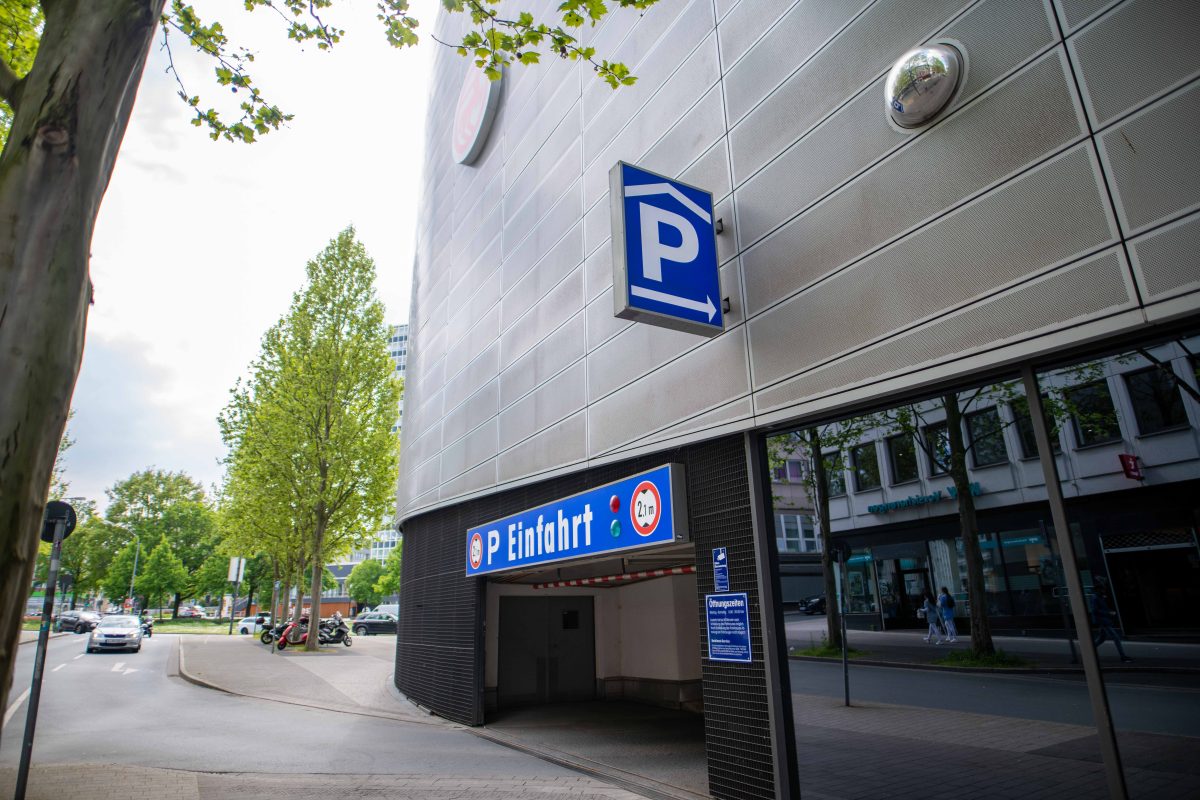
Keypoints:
pixel 56 669
pixel 78 656
pixel 117 667
pixel 13 708
pixel 131 669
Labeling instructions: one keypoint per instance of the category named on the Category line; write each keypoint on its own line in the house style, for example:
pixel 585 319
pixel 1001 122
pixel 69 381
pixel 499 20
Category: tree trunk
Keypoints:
pixel 981 629
pixel 833 614
pixel 318 573
pixel 175 606
pixel 71 114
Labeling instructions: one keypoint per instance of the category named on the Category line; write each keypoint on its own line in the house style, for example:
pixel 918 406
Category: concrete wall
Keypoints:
pixel 1057 202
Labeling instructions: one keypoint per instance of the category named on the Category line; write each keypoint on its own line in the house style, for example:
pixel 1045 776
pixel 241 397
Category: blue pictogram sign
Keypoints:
pixel 664 252
pixel 720 570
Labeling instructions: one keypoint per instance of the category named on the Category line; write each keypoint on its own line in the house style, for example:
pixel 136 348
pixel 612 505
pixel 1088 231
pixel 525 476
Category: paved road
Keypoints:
pixel 124 709
pixel 1149 708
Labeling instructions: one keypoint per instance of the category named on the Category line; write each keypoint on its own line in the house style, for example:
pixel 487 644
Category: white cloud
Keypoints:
pixel 199 245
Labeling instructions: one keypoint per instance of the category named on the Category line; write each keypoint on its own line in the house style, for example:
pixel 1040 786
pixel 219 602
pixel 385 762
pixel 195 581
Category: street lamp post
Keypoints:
pixel 137 552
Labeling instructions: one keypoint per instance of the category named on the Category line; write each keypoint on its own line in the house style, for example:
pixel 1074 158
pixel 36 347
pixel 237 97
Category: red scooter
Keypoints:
pixel 296 632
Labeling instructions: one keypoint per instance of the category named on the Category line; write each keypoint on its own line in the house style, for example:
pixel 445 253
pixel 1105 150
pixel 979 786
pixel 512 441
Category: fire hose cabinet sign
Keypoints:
pixel 728 617
pixel 665 269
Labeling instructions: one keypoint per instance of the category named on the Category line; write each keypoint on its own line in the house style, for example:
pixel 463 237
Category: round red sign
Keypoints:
pixel 476 554
pixel 477 102
pixel 645 508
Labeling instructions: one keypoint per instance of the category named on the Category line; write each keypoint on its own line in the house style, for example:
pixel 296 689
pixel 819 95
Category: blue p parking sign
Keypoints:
pixel 664 252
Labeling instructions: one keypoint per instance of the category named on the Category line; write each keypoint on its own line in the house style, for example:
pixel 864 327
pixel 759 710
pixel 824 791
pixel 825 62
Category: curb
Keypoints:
pixel 629 781
pixel 290 701
pixel 53 635
pixel 867 662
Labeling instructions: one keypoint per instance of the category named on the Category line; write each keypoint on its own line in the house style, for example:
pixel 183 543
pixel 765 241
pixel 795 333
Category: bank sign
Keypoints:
pixel 664 252
pixel 644 510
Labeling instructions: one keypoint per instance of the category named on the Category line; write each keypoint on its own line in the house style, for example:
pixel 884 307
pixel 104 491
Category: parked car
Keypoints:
pixel 813 605
pixel 116 632
pixel 76 620
pixel 249 625
pixel 374 622
pixel 191 612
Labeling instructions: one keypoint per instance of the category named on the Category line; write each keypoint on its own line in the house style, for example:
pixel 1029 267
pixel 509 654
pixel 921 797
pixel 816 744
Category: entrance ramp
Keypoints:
pixel 656 752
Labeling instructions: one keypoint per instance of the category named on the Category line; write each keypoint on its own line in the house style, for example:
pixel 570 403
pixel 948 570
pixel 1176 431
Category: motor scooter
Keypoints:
pixel 295 632
pixel 335 631
pixel 147 627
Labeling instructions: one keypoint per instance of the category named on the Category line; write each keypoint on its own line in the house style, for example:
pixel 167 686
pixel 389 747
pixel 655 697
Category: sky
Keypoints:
pixel 199 245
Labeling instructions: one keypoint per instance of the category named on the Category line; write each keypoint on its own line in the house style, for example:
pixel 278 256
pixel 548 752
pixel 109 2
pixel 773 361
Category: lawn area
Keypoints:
pixel 30 624
pixel 999 660
pixel 192 625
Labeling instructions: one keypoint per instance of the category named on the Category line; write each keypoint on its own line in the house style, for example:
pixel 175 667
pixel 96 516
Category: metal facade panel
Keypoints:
pixel 561 347
pixel 1165 259
pixel 1135 52
pixel 1142 155
pixel 1096 286
pixel 1017 123
pixel 862 52
pixel 986 245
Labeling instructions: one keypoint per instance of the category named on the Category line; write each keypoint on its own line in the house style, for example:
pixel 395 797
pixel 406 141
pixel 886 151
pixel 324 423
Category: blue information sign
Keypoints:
pixel 728 627
pixel 640 511
pixel 720 570
pixel 664 252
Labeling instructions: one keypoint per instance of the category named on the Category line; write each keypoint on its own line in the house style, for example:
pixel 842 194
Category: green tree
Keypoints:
pixel 212 579
pixel 318 413
pixel 388 584
pixel 69 75
pixel 162 575
pixel 119 574
pixel 155 503
pixel 361 583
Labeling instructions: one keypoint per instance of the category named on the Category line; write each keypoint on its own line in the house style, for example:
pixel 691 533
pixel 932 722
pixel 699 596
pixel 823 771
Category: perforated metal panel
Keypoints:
pixel 1090 288
pixel 1138 50
pixel 1043 218
pixel 1024 118
pixel 1152 158
pixel 439 649
pixel 1141 539
pixel 1166 258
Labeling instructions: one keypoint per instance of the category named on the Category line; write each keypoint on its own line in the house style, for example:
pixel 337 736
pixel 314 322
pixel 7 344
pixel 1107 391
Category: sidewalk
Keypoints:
pixel 351 680
pixel 905 647
pixel 31 636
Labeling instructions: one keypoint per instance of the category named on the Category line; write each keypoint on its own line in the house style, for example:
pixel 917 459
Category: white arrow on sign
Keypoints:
pixel 694 305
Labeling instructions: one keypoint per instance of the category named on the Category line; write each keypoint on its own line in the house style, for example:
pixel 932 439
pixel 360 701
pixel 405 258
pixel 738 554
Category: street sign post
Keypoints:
pixel 57 524
pixel 664 252
pixel 236 567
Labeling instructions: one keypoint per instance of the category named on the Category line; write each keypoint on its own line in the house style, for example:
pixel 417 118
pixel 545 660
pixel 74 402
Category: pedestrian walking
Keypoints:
pixel 945 603
pixel 1102 620
pixel 931 616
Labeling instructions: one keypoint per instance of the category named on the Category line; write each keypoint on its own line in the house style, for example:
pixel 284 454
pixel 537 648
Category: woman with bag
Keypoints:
pixel 930 610
pixel 945 603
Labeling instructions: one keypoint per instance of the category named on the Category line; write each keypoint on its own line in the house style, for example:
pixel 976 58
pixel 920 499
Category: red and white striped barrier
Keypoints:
pixel 624 577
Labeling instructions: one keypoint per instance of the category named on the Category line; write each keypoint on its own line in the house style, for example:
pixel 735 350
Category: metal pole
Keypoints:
pixel 1066 547
pixel 1062 601
pixel 233 605
pixel 274 612
pixel 841 591
pixel 133 577
pixel 39 660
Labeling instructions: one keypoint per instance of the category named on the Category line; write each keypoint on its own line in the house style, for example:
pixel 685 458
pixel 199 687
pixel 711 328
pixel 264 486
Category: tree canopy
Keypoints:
pixel 361 583
pixel 310 434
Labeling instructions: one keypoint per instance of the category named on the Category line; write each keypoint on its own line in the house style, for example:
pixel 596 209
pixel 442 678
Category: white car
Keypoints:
pixel 249 625
pixel 116 632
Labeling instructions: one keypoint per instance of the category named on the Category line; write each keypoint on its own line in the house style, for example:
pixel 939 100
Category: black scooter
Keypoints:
pixel 334 631
pixel 147 627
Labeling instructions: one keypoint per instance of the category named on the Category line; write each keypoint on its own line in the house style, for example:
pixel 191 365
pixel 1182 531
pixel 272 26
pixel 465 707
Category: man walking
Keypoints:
pixel 1102 619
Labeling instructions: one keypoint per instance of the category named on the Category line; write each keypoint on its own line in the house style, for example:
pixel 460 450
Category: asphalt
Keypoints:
pixel 257 724
pixel 126 725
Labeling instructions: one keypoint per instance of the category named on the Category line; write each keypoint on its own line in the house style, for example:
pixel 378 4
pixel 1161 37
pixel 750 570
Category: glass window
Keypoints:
pixel 865 463
pixel 1093 413
pixel 902 455
pixel 795 533
pixel 1157 404
pixel 1032 571
pixel 790 471
pixel 1020 412
pixel 835 479
pixel 937 444
pixel 986 438
pixel 860 583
